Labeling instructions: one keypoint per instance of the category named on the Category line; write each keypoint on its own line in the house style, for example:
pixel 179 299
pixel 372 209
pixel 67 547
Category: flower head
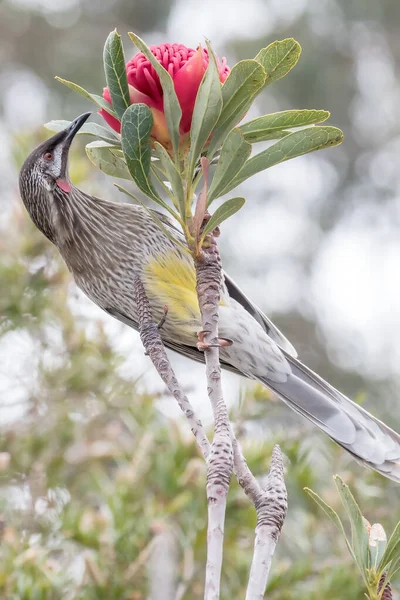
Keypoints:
pixel 186 67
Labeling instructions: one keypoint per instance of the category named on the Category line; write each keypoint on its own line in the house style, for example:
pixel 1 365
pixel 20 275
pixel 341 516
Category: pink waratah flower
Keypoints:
pixel 186 67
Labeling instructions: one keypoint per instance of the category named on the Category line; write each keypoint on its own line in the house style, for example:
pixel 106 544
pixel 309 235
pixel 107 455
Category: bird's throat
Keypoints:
pixel 64 185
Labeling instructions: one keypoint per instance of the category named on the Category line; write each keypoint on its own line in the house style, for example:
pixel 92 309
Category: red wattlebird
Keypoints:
pixel 106 244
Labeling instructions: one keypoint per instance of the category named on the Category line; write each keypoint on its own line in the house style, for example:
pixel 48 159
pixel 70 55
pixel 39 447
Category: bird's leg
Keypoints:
pixel 163 318
pixel 203 345
pixel 160 323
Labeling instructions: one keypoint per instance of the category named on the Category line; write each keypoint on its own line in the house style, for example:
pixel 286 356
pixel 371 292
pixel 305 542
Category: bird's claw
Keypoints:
pixel 163 318
pixel 224 342
pixel 202 345
pixel 161 321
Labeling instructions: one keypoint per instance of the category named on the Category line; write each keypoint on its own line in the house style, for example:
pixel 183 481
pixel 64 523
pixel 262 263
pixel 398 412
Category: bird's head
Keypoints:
pixel 44 175
pixel 47 166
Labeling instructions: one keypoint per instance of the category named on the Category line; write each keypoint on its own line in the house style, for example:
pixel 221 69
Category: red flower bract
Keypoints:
pixel 186 67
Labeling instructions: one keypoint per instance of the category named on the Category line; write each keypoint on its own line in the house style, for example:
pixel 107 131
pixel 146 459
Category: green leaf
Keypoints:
pixel 93 97
pixel 359 533
pixel 271 135
pixel 260 129
pixel 206 111
pixel 293 145
pixel 172 108
pixel 137 124
pixel 173 177
pixel 223 212
pixel 244 82
pixel 279 58
pixel 235 151
pixel 392 550
pixel 393 567
pixel 156 218
pixel 101 154
pixel 377 543
pixel 201 202
pixel 333 516
pixel 94 129
pixel 114 69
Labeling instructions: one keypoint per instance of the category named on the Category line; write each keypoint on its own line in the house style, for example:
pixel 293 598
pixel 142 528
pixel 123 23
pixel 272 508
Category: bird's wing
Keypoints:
pixel 273 332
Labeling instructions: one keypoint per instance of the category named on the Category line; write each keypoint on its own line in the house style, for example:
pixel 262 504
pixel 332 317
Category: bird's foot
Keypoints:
pixel 202 345
pixel 163 318
pixel 161 321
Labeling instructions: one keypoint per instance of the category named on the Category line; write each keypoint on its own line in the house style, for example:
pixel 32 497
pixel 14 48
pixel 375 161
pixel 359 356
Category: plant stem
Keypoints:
pixel 152 342
pixel 270 503
pixel 162 564
pixel 220 461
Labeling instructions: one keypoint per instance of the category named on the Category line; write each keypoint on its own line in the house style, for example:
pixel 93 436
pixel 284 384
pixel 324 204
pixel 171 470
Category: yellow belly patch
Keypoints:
pixel 171 280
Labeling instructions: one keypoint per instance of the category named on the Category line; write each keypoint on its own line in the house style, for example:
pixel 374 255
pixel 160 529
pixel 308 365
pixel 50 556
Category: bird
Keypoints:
pixel 107 245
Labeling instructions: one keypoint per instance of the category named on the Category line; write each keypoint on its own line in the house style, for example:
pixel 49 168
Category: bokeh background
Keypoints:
pixel 101 488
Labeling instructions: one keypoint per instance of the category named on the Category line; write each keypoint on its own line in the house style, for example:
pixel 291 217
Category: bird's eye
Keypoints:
pixel 48 156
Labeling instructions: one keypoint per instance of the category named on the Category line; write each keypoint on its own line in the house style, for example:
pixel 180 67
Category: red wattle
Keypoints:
pixel 63 185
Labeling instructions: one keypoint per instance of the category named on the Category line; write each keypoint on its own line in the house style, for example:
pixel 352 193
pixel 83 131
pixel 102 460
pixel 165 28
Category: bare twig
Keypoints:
pixel 270 503
pixel 140 562
pixel 188 572
pixel 152 342
pixel 162 564
pixel 220 461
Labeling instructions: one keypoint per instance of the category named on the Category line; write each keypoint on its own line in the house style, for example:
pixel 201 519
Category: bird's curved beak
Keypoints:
pixel 73 128
pixel 67 135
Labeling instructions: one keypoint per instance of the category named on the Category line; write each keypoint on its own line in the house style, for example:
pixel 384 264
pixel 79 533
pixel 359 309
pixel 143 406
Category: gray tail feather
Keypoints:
pixel 369 440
